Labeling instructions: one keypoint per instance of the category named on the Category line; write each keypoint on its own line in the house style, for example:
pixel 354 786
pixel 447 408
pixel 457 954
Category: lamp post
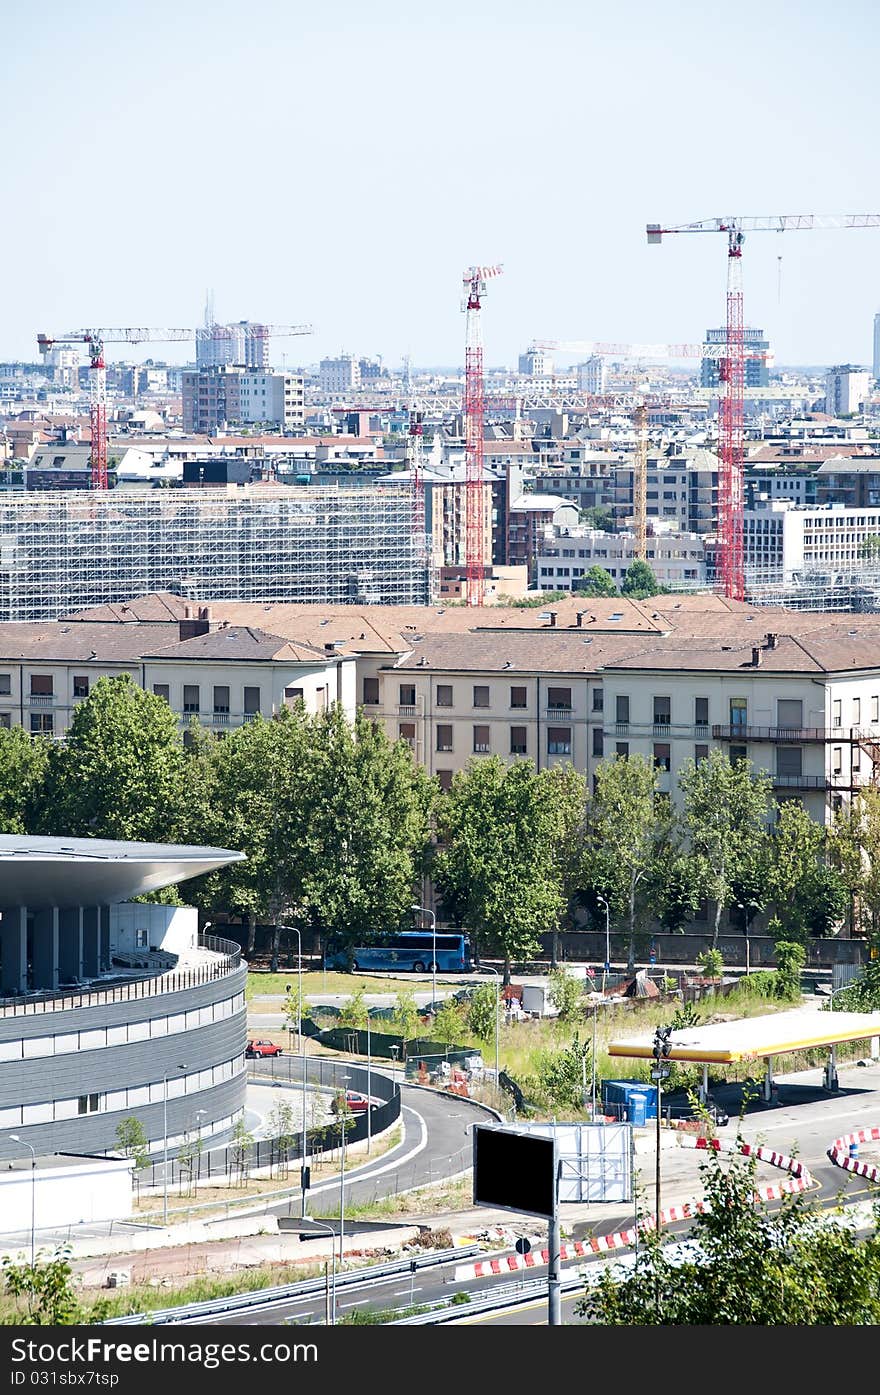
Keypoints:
pixel 497 1019
pixel 427 911
pixel 181 1066
pixel 607 968
pixel 343 1120
pixel 330 1231
pixel 15 1139
pixel 661 1052
pixel 369 1091
pixel 291 929
pixel 200 1115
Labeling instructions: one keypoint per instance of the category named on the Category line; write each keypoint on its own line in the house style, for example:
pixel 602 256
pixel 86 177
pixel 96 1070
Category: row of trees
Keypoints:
pixel 339 824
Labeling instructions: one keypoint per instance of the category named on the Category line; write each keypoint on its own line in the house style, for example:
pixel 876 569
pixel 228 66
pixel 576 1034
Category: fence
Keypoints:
pixel 240 1159
pixel 175 981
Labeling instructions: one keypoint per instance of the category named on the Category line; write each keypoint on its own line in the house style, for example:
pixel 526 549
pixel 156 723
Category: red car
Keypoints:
pixel 262 1048
pixel 355 1102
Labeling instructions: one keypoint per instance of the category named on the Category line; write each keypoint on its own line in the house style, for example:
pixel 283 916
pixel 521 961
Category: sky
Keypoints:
pixel 342 164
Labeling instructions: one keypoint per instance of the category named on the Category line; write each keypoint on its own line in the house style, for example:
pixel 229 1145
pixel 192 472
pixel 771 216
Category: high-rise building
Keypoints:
pixel 245 343
pixel 757 370
pixel 535 363
pixel 229 394
pixel 876 363
pixel 846 388
pixel 341 374
pixel 592 376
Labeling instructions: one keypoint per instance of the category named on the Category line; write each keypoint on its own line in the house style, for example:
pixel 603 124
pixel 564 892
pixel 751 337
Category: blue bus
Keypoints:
pixel 411 949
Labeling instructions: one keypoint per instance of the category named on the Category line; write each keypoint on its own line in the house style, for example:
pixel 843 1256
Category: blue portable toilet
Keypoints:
pixel 638 1108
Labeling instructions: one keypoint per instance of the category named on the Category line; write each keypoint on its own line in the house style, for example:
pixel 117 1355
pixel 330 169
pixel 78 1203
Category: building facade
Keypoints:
pixel 846 388
pixel 757 348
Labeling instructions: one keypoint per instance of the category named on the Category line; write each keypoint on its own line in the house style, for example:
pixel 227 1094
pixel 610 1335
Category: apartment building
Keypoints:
pixel 228 394
pixel 757 348
pixel 220 675
pixel 682 487
pixel 846 388
pixel 675 558
pixel 341 374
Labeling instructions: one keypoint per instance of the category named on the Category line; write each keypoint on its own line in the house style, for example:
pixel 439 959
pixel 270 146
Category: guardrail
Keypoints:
pixel 267 1297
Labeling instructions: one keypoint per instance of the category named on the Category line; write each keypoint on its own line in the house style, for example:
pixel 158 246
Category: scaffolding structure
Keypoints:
pixel 62 551
pixel 848 588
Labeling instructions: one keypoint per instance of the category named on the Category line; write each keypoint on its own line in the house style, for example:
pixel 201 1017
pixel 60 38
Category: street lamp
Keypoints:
pixel 607 968
pixel 15 1139
pixel 330 1231
pixel 343 1120
pixel 497 1020
pixel 200 1115
pixel 427 910
pixel 661 1051
pixel 181 1066
pixel 291 929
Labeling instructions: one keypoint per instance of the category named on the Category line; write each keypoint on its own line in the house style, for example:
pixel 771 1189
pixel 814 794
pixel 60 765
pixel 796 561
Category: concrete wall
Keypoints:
pixel 85 1189
pixel 589 946
pixel 171 928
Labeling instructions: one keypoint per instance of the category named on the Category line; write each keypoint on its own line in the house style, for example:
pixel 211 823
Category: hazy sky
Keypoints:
pixel 342 163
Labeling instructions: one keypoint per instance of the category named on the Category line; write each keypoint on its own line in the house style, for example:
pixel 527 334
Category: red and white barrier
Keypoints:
pixel 839 1153
pixel 625 1239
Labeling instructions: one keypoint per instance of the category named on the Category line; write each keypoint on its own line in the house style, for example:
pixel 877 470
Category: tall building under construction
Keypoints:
pixel 64 551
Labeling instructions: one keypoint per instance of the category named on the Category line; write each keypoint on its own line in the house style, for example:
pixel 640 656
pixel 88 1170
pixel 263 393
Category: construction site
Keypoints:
pixel 320 543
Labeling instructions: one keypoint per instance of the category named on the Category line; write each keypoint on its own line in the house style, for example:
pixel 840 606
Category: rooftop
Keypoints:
pixel 67 872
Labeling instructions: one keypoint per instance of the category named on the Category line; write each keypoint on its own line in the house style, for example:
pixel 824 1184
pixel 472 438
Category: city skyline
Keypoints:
pixel 345 176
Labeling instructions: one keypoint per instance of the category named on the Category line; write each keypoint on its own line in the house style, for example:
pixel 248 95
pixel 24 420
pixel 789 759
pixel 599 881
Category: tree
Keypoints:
pixel 676 887
pixel 796 847
pixel 568 792
pixel 854 847
pixel 483 1011
pixel 354 1011
pixel 790 960
pixel 366 836
pixel 23 763
pixel 499 832
pixel 711 963
pixel 47 1293
pixel 561 1075
pixel 745 1263
pixel 625 829
pixel 567 994
pixel 448 1025
pixel 241 1145
pixel 640 583
pixel 131 1139
pixel 596 581
pixel 597 516
pixel 725 811
pixel 281 1122
pixel 869 548
pixel 406 1015
pixel 120 771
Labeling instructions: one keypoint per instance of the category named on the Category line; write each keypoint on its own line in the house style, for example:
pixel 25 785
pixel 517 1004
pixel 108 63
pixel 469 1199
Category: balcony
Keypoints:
pixel 621 728
pixel 662 728
pixel 220 719
pixel 41 699
pixel 557 714
pixel 788 734
pixel 407 709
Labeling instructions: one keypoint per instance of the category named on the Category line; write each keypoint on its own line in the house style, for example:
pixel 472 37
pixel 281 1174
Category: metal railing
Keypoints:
pixel 174 981
pixel 747 733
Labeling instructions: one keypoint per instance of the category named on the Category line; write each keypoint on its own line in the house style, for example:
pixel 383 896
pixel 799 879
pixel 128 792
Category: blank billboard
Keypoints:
pixel 515 1171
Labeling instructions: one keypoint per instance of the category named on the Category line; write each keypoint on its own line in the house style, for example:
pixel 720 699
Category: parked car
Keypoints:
pixel 260 1047
pixel 355 1102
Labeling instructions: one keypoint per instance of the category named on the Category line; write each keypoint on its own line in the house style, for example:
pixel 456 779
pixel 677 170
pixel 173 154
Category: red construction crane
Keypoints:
pixel 732 369
pixel 95 339
pixel 473 289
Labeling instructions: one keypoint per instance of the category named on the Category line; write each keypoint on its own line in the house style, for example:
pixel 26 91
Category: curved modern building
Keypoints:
pixel 111 1008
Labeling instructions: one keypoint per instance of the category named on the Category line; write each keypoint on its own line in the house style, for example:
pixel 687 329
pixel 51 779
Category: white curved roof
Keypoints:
pixel 96 871
pixel 752 1038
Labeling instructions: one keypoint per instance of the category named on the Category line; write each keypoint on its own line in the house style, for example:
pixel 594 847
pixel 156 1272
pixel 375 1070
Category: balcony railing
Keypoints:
pixel 407 709
pixel 41 699
pixel 789 734
pixel 662 728
pixel 220 719
pixel 561 714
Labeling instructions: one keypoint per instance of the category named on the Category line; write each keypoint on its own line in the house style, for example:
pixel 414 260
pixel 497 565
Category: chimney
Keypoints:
pixel 771 640
pixel 552 614
pixel 190 626
pixel 580 619
pixel 756 656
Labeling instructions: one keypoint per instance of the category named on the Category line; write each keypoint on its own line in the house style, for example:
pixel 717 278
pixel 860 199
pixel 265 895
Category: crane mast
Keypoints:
pixel 474 288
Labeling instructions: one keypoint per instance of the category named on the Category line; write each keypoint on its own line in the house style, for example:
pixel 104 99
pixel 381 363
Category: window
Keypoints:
pixel 290 695
pixel 662 711
pixel 875 708
pixel 407 696
pixel 559 741
pixel 737 754
pixel 621 748
pixel 701 711
pixel 519 697
pixel 836 712
pixel 598 741
pixel 162 690
pixel 481 695
pixel 252 701
pixel 444 738
pixel 789 713
pixel 789 760
pixel 518 741
pixel 141 939
pixel 738 712
pixel 80 686
pixel 622 711
pixel 191 697
pixel 88 1104
pixel 444 779
pixel 662 755
pixel 857 711
pixel 6 720
pixel 5 682
pixel 42 722
pixel 371 691
pixel 406 731
pixel 221 699
pixel 444 694
pixel 598 699
pixel 482 743
pixel 41 685
pixel 837 760
pixel 559 698
pixel 700 753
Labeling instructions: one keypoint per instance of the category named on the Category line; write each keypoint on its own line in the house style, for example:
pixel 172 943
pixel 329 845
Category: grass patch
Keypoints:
pixel 318 982
pixel 426 1201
